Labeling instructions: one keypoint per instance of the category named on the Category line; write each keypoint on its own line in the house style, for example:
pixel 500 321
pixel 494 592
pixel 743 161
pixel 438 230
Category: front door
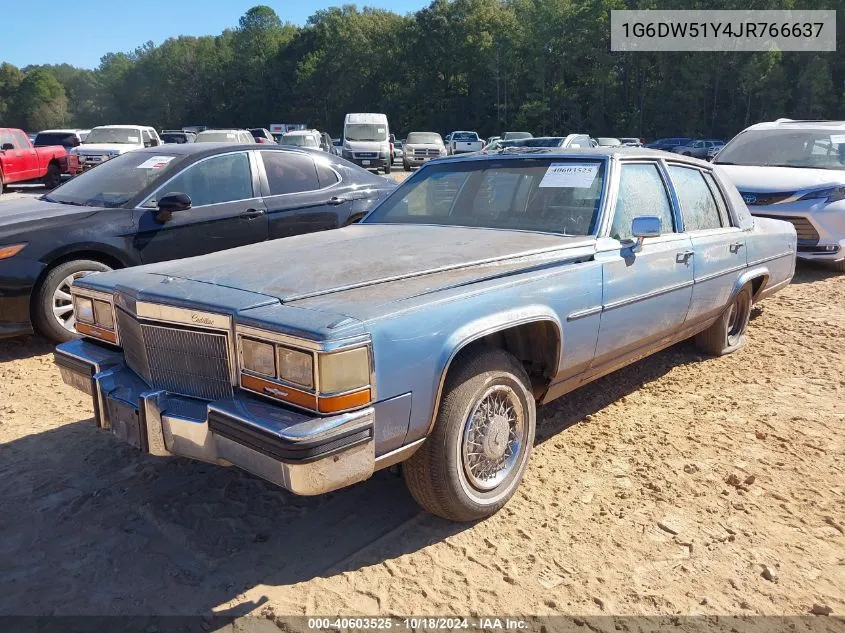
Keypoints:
pixel 720 252
pixel 646 293
pixel 226 211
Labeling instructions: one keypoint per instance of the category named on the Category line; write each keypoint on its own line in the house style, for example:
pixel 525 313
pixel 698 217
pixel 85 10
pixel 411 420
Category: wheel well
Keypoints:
pixel 757 285
pixel 97 256
pixel 536 345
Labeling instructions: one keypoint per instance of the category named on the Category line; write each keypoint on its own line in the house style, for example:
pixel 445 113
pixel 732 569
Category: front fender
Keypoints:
pixel 491 324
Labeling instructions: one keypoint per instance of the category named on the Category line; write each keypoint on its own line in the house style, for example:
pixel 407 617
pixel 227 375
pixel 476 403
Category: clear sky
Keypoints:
pixel 79 33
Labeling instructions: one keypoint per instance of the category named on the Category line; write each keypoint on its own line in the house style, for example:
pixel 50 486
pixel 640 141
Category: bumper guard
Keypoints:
pixel 303 454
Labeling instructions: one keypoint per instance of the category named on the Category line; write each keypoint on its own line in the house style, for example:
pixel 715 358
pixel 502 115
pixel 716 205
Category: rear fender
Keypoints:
pixel 757 272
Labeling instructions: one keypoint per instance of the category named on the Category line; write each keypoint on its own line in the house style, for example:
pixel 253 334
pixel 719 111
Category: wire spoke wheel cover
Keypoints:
pixel 493 438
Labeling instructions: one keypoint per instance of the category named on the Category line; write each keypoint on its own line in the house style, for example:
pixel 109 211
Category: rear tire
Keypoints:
pixel 474 459
pixel 54 176
pixel 52 313
pixel 727 334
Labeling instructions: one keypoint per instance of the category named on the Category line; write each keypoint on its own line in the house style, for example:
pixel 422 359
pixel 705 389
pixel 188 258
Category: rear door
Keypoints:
pixel 646 293
pixel 226 210
pixel 718 246
pixel 301 195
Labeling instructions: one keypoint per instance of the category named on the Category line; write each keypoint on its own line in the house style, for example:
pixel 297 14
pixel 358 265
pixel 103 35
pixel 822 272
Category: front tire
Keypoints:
pixel 474 459
pixel 727 334
pixel 406 166
pixel 387 168
pixel 839 266
pixel 52 309
pixel 54 176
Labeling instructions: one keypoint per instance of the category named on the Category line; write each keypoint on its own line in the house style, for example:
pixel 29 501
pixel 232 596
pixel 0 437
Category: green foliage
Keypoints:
pixel 489 65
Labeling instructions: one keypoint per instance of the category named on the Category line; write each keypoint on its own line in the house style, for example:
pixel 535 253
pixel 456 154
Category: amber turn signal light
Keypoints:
pixel 96 332
pixel 11 250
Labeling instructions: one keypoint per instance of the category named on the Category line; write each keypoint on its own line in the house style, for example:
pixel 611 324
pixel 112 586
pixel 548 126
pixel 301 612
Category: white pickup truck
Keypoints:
pixel 463 142
pixel 107 141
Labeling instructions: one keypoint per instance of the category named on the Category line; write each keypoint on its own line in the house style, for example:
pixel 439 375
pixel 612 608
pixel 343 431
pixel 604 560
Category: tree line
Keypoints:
pixel 489 65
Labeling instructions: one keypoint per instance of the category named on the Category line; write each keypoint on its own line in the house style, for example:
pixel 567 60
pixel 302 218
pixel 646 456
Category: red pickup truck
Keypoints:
pixel 21 162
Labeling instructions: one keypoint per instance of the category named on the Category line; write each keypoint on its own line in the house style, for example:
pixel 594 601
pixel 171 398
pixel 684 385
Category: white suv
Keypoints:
pixel 794 171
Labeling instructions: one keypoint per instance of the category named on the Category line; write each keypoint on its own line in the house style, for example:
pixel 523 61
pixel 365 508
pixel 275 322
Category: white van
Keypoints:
pixel 366 140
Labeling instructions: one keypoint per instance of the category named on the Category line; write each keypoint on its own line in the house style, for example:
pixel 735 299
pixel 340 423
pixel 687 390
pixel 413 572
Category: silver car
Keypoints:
pixel 795 171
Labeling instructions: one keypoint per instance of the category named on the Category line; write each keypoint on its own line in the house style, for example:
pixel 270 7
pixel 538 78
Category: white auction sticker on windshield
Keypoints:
pixel 156 162
pixel 576 175
pixel 133 139
pixel 837 139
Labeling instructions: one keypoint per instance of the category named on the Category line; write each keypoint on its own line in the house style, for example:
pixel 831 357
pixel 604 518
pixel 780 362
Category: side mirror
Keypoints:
pixel 644 226
pixel 171 203
pixel 7 146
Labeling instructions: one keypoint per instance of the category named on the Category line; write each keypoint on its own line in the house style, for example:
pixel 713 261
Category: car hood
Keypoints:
pixel 409 260
pixel 423 146
pixel 781 179
pixel 121 148
pixel 22 215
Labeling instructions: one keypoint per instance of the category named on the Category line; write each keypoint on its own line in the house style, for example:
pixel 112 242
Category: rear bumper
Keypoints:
pixel 303 454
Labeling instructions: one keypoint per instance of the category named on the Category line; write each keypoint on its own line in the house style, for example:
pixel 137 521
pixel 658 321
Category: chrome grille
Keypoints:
pixel 183 361
pixel 804 229
pixel 426 152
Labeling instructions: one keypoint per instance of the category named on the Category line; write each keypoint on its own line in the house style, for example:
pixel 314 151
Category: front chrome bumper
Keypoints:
pixel 303 454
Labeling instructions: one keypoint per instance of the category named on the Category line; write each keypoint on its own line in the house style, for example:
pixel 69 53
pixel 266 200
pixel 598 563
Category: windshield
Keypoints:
pixel 509 136
pixel 808 148
pixel 113 135
pixel 552 196
pixel 301 140
pixel 423 137
pixel 116 181
pixel 548 141
pixel 45 139
pixel 366 132
pixel 217 137
pixel 173 137
pixel 607 141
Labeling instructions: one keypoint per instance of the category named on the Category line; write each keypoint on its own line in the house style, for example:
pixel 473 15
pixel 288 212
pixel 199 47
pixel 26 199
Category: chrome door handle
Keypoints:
pixel 683 257
pixel 736 246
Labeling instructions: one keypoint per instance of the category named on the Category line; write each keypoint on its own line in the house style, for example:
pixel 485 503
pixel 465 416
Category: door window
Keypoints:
pixel 215 180
pixel 5 138
pixel 724 216
pixel 327 176
pixel 21 142
pixel 289 173
pixel 697 203
pixel 641 192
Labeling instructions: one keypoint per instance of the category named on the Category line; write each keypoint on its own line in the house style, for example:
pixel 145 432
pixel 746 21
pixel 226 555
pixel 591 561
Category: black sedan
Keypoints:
pixel 164 203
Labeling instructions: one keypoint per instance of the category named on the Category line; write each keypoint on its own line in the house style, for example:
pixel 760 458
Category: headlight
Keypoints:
pixel 94 314
pixel 84 309
pixel 320 381
pixel 344 371
pixel 258 357
pixel 296 367
pixel 831 194
pixel 11 250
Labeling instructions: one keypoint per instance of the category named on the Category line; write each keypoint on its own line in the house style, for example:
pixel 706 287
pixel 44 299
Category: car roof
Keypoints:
pixel 785 124
pixel 123 127
pixel 206 149
pixel 63 131
pixel 222 129
pixel 615 152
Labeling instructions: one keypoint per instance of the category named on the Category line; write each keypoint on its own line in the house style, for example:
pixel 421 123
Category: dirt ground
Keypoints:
pixel 679 485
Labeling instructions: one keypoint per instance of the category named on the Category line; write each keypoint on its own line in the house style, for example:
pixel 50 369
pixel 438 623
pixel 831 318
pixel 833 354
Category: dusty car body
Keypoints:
pixel 482 287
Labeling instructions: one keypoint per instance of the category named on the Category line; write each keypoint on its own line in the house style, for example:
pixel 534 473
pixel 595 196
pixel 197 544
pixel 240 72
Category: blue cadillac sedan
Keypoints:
pixel 428 334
